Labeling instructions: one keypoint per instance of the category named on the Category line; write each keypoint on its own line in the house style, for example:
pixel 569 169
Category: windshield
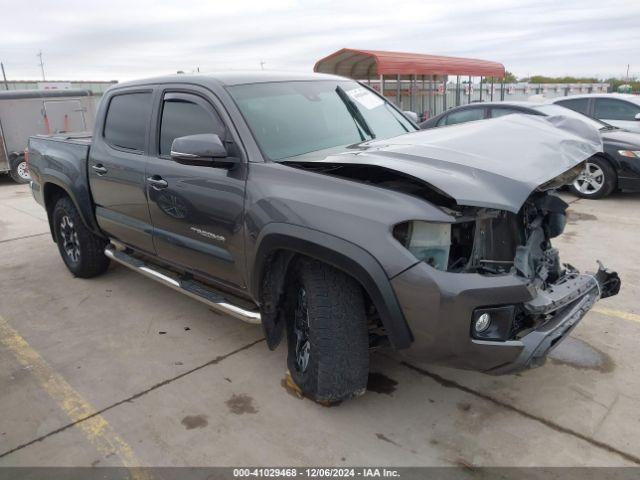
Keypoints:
pixel 293 118
pixel 567 112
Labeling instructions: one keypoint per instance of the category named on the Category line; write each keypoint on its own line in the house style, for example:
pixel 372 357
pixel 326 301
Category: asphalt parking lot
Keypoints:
pixel 119 370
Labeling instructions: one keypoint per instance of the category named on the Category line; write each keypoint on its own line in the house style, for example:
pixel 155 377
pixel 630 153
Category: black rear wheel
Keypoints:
pixel 327 334
pixel 82 251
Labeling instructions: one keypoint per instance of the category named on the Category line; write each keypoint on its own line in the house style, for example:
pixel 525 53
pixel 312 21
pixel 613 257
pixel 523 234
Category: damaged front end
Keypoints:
pixel 488 291
pixel 495 243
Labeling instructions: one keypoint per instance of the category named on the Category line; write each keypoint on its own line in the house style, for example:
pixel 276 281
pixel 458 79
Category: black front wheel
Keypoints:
pixel 82 251
pixel 327 336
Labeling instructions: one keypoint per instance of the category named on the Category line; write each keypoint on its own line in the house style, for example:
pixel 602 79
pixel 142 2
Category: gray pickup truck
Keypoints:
pixel 311 205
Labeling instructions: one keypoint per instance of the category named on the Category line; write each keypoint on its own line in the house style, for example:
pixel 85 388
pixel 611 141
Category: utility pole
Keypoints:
pixel 628 72
pixel 4 77
pixel 41 64
pixel 262 62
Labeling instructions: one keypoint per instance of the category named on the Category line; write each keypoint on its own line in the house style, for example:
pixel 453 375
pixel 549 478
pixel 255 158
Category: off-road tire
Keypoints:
pixel 608 185
pixel 91 260
pixel 17 164
pixel 338 362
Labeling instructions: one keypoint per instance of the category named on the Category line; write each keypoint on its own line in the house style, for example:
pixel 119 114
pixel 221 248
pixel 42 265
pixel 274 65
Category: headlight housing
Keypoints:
pixel 629 153
pixel 428 242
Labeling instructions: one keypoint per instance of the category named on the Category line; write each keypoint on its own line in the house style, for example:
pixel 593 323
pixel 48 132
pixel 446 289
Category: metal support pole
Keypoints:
pixel 458 91
pixel 382 85
pixel 492 89
pixel 433 90
pixel 469 95
pixel 412 93
pixel 428 94
pixel 502 89
pixel 4 77
pixel 444 93
pixel 422 95
pixel 481 88
pixel 398 101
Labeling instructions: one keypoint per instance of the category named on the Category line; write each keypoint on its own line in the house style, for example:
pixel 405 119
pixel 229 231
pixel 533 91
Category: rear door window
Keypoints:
pixel 577 104
pixel 186 114
pixel 612 109
pixel 127 120
pixel 502 111
pixel 466 115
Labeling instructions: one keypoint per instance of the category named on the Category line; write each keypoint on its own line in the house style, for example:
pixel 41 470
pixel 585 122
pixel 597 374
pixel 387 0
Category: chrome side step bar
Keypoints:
pixel 192 288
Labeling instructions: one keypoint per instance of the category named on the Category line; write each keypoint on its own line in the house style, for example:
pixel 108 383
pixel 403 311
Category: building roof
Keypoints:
pixel 360 64
pixel 16 94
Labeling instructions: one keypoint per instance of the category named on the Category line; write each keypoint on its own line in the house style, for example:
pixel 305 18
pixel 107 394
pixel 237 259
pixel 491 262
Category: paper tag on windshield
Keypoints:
pixel 365 98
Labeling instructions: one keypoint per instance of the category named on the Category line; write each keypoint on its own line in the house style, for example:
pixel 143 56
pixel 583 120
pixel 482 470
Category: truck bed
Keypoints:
pixel 80 138
pixel 60 160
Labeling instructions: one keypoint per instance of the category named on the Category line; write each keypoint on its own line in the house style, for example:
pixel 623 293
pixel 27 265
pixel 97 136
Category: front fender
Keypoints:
pixel 342 255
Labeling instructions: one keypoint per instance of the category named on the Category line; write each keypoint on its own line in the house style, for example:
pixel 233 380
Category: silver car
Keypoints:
pixel 619 110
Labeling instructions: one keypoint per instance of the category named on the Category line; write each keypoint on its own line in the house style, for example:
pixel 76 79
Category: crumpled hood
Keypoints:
pixel 493 163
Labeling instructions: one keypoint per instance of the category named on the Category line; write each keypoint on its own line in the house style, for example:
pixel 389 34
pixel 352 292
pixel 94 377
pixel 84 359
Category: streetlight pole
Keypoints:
pixel 4 77
pixel 41 64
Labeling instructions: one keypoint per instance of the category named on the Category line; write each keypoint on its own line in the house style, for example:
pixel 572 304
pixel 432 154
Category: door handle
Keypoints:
pixel 99 169
pixel 157 183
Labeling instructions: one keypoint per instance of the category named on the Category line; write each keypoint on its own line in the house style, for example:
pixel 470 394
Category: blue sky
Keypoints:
pixel 131 39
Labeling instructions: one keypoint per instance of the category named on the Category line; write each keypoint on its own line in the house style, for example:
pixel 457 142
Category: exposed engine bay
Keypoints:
pixel 481 240
pixel 491 242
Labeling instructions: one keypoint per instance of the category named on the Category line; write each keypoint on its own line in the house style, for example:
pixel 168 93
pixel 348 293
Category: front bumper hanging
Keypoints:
pixel 567 303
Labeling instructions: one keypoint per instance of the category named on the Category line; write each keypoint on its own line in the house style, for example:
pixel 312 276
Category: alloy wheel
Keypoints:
pixel 301 330
pixel 591 179
pixel 22 169
pixel 70 242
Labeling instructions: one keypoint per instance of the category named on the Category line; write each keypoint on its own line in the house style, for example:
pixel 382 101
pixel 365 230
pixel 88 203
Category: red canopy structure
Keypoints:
pixel 363 64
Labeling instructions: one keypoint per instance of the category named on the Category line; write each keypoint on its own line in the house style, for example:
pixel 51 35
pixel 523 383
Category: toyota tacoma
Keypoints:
pixel 311 205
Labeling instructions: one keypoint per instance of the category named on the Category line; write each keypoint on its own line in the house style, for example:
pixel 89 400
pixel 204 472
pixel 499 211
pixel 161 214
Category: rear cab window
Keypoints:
pixel 127 119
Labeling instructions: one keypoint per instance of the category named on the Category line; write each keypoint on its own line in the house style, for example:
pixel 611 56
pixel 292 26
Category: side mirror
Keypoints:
pixel 413 116
pixel 205 149
pixel 637 117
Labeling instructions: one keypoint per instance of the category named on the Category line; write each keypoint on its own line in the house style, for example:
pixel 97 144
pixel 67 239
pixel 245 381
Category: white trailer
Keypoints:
pixel 30 112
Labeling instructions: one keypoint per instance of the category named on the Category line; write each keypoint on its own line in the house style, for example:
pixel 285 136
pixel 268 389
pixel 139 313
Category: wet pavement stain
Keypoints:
pixel 384 438
pixel 195 421
pixel 240 404
pixel 578 354
pixel 380 383
pixel 464 406
pixel 574 217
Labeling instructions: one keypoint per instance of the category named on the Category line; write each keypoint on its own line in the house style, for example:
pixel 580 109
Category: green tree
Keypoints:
pixel 509 77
